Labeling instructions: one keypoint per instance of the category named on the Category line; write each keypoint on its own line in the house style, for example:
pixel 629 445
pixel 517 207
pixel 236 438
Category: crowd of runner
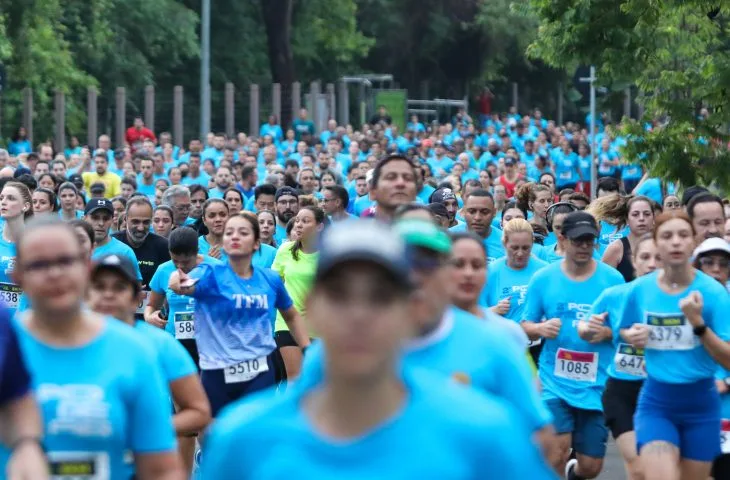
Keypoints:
pixel 467 311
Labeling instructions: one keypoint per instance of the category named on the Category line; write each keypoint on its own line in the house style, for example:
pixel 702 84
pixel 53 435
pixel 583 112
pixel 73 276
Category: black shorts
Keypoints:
pixel 721 467
pixel 284 338
pixel 619 405
pixel 192 348
pixel 535 351
pixel 220 393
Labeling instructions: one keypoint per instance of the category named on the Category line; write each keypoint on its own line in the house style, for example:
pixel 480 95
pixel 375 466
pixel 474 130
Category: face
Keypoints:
pixel 162 221
pixel 234 201
pixel 139 220
pixel 469 271
pixel 12 204
pixel 147 168
pixel 110 294
pixel 175 176
pixel 305 225
pixel 548 181
pixel 267 225
pixel 328 181
pixel 396 185
pixel 518 246
pixel 127 190
pixel 511 213
pixel 452 206
pixel 358 314
pixel 101 221
pixel 52 269
pixel 580 250
pixel 675 242
pixel 184 262
pixel 223 178
pixel 41 168
pixel 181 207
pixel 484 179
pixel 708 220
pixel 238 238
pixel 331 203
pixel 671 202
pixel 286 207
pixel 641 218
pixel 68 199
pixel 361 187
pixel 479 213
pixel 647 258
pixel 716 265
pixel 41 203
pixel 215 218
pixel 542 202
pixel 500 194
pixel 101 165
pixel 196 204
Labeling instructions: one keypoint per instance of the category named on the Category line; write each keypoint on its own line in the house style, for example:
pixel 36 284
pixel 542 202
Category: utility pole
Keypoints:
pixel 204 69
pixel 592 128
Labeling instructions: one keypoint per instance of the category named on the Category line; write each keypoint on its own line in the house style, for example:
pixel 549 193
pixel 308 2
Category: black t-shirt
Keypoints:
pixel 151 254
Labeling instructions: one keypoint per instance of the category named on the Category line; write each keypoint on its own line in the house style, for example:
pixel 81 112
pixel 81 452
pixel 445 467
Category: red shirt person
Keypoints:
pixel 138 133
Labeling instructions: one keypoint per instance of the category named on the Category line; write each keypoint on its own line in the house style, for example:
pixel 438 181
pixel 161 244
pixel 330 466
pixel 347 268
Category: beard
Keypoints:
pixel 285 216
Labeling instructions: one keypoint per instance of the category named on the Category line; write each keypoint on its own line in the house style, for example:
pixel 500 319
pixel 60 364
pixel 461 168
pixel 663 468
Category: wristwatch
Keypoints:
pixel 700 330
pixel 23 440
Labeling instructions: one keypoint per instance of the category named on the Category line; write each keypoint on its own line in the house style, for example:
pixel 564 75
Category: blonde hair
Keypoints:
pixel 516 225
pixel 614 209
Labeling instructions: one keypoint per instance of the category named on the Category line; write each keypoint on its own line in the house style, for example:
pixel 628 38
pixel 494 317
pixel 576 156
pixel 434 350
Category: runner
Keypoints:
pixel 16 207
pixel 99 213
pixel 678 414
pixel 162 220
pixel 572 370
pixel 266 254
pixel 626 373
pixel 234 312
pixel 707 213
pixel 67 196
pixel 635 212
pixel 553 250
pixel 85 235
pixel 74 359
pixel 537 199
pixel 393 184
pixel 215 214
pixel 479 212
pixel 358 420
pixel 296 263
pixel 267 224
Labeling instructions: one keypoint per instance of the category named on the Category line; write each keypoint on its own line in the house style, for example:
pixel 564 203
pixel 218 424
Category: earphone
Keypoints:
pixel 551 212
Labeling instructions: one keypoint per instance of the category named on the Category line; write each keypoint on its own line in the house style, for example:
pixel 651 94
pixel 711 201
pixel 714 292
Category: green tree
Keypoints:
pixel 676 53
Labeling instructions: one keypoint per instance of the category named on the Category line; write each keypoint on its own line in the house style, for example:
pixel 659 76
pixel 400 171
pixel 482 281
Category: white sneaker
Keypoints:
pixel 570 466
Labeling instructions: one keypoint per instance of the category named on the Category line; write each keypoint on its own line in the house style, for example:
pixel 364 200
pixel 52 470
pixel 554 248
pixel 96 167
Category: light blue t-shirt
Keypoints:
pixel 202 179
pixel 280 234
pixel 204 248
pixel 548 254
pixel 234 317
pixel 264 256
pixel 609 233
pixel 495 248
pixel 180 308
pixel 505 282
pixel 469 436
pixel 115 247
pixel 570 368
pixel 10 294
pixel 175 361
pixel 628 361
pixel 674 354
pixel 96 407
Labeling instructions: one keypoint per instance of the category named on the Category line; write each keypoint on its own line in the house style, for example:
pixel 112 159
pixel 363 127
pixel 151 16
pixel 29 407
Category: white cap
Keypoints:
pixel 369 176
pixel 713 244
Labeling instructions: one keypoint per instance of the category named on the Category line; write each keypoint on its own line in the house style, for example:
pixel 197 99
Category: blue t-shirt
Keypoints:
pixel 280 234
pixel 175 361
pixel 470 435
pixel 264 256
pixel 652 188
pixel 204 248
pixel 674 354
pixel 146 190
pixel 570 368
pixel 180 308
pixel 115 247
pixel 202 179
pixel 505 282
pixel 11 295
pixel 609 233
pixel 96 407
pixel 628 361
pixel 495 248
pixel 234 317
pixel 548 254
pixel 566 169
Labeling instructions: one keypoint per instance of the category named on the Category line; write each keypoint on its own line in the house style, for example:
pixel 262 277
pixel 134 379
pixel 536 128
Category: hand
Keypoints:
pixel 155 319
pixel 215 251
pixel 691 306
pixel 502 306
pixel 178 281
pixel 595 327
pixel 550 328
pixel 637 335
pixel 27 462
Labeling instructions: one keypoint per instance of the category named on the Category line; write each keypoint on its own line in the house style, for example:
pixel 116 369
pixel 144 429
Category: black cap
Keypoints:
pixel 580 224
pixel 98 204
pixel 509 161
pixel 286 191
pixel 97 187
pixel 119 264
pixel 441 195
pixel 438 209
pixel 21 171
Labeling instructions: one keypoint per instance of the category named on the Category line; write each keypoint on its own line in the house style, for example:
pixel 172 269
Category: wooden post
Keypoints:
pixel 28 113
pixel 149 107
pixel 121 116
pixel 254 110
pixel 276 101
pixel 296 98
pixel 92 117
pixel 59 113
pixel 177 116
pixel 230 109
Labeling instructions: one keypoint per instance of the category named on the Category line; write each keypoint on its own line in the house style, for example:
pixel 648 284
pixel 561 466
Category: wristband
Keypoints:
pixel 22 440
pixel 700 330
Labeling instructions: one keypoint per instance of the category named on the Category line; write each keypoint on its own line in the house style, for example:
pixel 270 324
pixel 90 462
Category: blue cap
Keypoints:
pixel 363 241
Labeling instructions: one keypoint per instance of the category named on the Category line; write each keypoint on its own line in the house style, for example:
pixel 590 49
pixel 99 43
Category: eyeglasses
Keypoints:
pixel 583 242
pixel 722 262
pixel 45 266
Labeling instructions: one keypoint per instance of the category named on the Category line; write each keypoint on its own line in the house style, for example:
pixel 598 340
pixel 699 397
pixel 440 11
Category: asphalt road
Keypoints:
pixel 613 465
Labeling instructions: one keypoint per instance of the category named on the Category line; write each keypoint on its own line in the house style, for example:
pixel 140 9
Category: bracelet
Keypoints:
pixel 22 440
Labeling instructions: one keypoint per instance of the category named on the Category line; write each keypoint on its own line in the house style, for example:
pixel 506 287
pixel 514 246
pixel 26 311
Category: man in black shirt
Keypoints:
pixel 151 249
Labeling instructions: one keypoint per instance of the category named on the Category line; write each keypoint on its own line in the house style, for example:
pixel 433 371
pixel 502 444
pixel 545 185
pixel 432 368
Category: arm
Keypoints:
pixel 176 278
pixel 193 413
pixel 20 419
pixel 159 466
pixel 296 326
pixel 644 178
pixel 614 252
pixel 693 308
pixel 152 310
pixel 718 348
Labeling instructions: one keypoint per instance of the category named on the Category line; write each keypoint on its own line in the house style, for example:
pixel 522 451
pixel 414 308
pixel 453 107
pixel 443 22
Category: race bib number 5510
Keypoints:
pixel 246 370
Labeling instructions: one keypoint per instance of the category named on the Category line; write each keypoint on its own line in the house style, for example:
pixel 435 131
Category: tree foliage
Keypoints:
pixel 675 52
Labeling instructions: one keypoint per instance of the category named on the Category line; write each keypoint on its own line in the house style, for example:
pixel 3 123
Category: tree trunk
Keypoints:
pixel 277 16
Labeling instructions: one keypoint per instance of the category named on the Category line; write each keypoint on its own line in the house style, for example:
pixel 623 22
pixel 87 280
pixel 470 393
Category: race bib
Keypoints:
pixel 725 436
pixel 10 295
pixel 578 366
pixel 670 332
pixel 144 302
pixel 184 325
pixel 630 360
pixel 246 370
pixel 565 175
pixel 79 465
